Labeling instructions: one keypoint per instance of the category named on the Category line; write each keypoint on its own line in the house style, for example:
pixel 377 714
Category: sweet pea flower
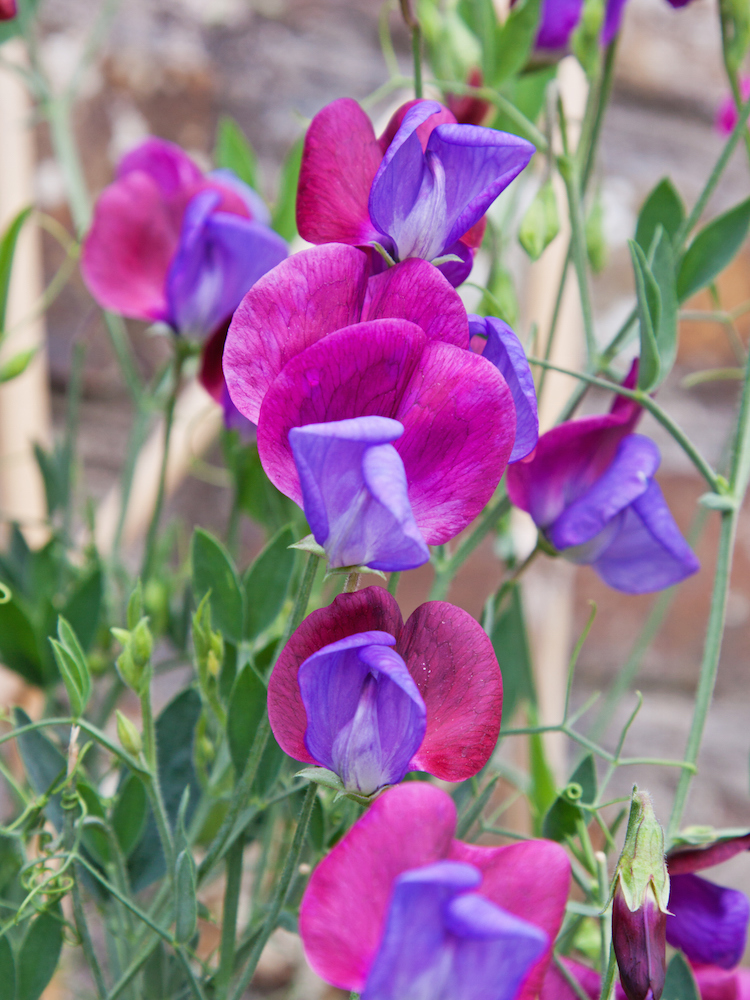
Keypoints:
pixel 8 10
pixel 419 191
pixel 400 910
pixel 589 487
pixel 359 692
pixel 727 114
pixel 319 341
pixel 560 18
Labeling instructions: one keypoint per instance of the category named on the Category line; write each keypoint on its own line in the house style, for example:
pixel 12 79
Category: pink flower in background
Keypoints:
pixel 8 10
pixel 727 114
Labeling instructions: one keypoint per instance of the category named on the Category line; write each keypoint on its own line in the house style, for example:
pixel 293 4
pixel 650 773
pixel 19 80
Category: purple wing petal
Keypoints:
pixel 355 493
pixel 707 921
pixel 626 479
pixel 648 553
pixel 456 272
pixel 559 19
pixel 220 257
pixel 365 716
pixel 369 610
pixel 339 161
pixel 613 18
pixel 505 351
pixel 408 826
pixel 441 117
pixel 254 204
pixel 451 658
pixel 308 296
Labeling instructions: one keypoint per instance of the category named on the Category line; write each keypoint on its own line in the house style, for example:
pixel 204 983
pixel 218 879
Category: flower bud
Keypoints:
pixel 639 911
pixel 128 735
pixel 133 662
pixel 142 643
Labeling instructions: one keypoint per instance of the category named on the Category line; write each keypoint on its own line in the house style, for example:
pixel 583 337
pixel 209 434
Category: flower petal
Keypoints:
pixel 707 921
pixel 308 296
pixel 627 478
pixel 559 19
pixel 648 553
pixel 166 163
pixel 369 610
pixel 529 879
pixel 408 826
pixel 220 257
pixel 442 117
pixel 613 18
pixel 340 159
pixel 451 658
pixel 695 859
pixel 718 984
pixel 505 351
pixel 416 291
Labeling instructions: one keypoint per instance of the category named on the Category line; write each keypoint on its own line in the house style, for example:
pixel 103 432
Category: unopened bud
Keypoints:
pixel 213 663
pixel 128 735
pixel 541 223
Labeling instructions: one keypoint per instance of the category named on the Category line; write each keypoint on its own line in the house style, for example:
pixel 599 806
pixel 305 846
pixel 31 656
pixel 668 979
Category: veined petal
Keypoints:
pixel 558 20
pixel 220 257
pixel 451 658
pixel 443 116
pixel 340 159
pixel 456 272
pixel 305 298
pixel 648 553
pixel 684 860
pixel 505 351
pixel 627 478
pixel 708 922
pixel 407 827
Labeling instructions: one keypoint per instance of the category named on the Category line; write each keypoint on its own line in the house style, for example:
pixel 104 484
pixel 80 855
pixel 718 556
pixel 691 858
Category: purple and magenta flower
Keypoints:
pixel 560 18
pixel 359 692
pixel 419 191
pixel 727 114
pixel 399 910
pixel 321 341
pixel 589 487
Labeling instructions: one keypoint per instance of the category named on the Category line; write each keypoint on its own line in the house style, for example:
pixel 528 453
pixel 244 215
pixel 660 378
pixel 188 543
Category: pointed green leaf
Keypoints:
pixel 7 967
pixel 649 314
pixel 16 365
pixel 316 830
pixel 662 265
pixel 129 813
pixel 267 583
pixel 663 207
pixel 83 606
pixel 69 672
pixel 246 707
pixel 322 776
pixel 39 953
pixel 186 905
pixel 213 570
pixel 511 646
pixel 7 251
pixel 515 40
pixel 19 649
pixel 44 765
pixel 680 983
pixel 233 152
pixel 284 215
pixel 712 250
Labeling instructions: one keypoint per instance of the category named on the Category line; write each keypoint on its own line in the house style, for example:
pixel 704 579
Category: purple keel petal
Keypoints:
pixel 308 296
pixel 354 493
pixel 707 921
pixel 444 943
pixel 365 716
pixel 339 161
pixel 626 479
pixel 505 351
pixel 558 20
pixel 219 258
pixel 648 553
pixel 256 207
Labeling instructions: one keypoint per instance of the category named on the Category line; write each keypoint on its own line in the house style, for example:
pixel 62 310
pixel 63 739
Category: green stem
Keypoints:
pixel 393 583
pixel 448 569
pixel 413 25
pixel 525 127
pixel 83 932
pixel 282 890
pixel 57 113
pixel 571 179
pixel 153 784
pixel 235 856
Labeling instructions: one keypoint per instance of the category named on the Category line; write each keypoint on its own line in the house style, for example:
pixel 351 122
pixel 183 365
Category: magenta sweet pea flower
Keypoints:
pixel 359 692
pixel 400 910
pixel 589 487
pixel 707 921
pixel 727 113
pixel 319 341
pixel 418 191
pixel 8 10
pixel 168 244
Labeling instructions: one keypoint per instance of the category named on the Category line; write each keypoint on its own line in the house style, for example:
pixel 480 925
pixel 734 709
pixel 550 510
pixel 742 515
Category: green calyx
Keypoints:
pixel 642 866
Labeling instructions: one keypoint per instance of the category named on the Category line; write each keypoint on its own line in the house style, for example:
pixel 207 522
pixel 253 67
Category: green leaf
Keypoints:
pixel 129 813
pixel 712 250
pixel 19 649
pixel 663 269
pixel 322 776
pixel 679 983
pixel 39 954
pixel 649 314
pixel 95 837
pixel 7 967
pixel 663 207
pixel 83 606
pixel 268 769
pixel 565 812
pixel 596 243
pixel 267 583
pixel 511 646
pixel 515 40
pixel 233 152
pixel 246 707
pixel 213 570
pixel 256 494
pixel 541 222
pixel 73 667
pixel 316 830
pixel 7 251
pixel 16 365
pixel 542 788
pixel 284 215
pixel 44 764
pixel 186 905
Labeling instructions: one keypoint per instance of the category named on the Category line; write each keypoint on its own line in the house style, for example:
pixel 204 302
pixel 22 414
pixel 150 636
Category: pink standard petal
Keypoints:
pixel 369 610
pixel 345 904
pixel 129 247
pixel 452 661
pixel 416 291
pixel 530 880
pixel 306 297
pixel 339 161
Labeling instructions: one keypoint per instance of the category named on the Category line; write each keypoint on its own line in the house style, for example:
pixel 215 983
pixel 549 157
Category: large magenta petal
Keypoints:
pixel 369 610
pixel 343 911
pixel 529 879
pixel 339 161
pixel 169 166
pixel 452 661
pixel 456 408
pixel 416 291
pixel 128 250
pixel 305 298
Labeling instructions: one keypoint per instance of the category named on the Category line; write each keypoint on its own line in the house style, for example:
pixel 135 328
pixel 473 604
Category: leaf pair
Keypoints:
pixel 73 666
